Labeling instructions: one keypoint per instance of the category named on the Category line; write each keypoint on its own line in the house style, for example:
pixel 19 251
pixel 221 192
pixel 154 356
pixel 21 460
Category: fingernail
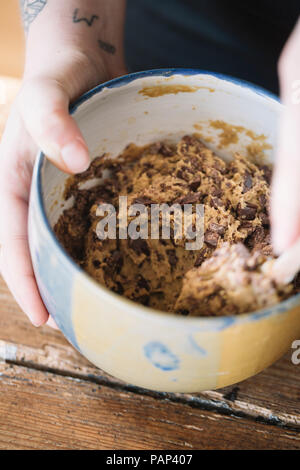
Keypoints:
pixel 75 156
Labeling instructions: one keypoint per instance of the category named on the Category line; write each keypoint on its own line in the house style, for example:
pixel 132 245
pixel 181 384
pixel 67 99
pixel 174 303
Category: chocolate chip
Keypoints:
pixel 140 246
pixel 96 263
pixel 159 256
pixel 258 237
pixel 154 148
pixel 218 165
pixel 215 175
pixel 185 176
pixel 234 170
pixel 216 202
pixel 183 312
pixel 142 283
pixel 211 238
pixel 95 238
pixel 194 185
pixel 189 140
pixel 220 229
pixel 246 224
pixel 119 289
pixel 265 220
pixel 161 148
pixel 263 200
pixel 200 258
pixel 297 282
pixel 247 182
pixel 267 173
pixel 166 150
pixel 117 260
pixel 144 299
pixel 172 258
pixel 196 163
pixel 189 145
pixel 217 192
pixel 248 212
pixel 148 166
pixel 143 200
pixel 186 168
pixel 190 198
pixel 114 263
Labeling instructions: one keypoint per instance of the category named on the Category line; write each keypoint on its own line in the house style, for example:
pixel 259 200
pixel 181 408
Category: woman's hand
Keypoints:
pixel 68 63
pixel 285 206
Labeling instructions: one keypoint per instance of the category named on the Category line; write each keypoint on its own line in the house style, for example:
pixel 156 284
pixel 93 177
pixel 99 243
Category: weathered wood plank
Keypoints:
pixel 41 410
pixel 273 395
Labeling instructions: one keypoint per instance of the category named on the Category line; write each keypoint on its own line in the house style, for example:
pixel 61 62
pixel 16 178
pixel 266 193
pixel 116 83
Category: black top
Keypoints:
pixel 242 38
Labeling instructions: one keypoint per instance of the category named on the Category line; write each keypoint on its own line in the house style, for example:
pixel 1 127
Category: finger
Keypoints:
pixel 15 176
pixel 17 272
pixel 44 106
pixel 285 201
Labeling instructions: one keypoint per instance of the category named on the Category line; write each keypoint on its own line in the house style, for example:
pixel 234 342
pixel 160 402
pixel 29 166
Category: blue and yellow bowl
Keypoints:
pixel 142 346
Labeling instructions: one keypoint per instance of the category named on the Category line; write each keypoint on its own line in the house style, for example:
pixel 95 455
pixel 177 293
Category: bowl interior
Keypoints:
pixel 230 116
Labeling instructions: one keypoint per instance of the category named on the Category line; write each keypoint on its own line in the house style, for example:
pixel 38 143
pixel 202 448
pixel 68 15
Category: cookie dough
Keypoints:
pixel 231 281
pixel 162 273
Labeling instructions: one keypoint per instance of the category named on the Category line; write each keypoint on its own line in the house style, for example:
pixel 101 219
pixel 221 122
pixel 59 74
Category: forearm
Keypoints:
pixel 57 30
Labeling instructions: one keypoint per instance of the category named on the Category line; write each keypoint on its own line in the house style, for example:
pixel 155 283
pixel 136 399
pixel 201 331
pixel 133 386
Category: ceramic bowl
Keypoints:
pixel 139 345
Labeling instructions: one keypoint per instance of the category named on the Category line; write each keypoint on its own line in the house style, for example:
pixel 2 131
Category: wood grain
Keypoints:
pixel 40 410
pixel 272 396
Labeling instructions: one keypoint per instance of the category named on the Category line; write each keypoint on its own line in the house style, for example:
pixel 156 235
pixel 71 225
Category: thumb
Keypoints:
pixel 44 107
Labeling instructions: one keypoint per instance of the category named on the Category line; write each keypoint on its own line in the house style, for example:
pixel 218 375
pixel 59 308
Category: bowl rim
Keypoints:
pixel 210 322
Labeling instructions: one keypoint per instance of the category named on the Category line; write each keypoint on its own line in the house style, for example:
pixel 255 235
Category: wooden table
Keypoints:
pixel 52 398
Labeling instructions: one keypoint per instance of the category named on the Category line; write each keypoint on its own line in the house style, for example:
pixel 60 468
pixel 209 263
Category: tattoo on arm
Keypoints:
pixel 107 47
pixel 89 22
pixel 30 10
